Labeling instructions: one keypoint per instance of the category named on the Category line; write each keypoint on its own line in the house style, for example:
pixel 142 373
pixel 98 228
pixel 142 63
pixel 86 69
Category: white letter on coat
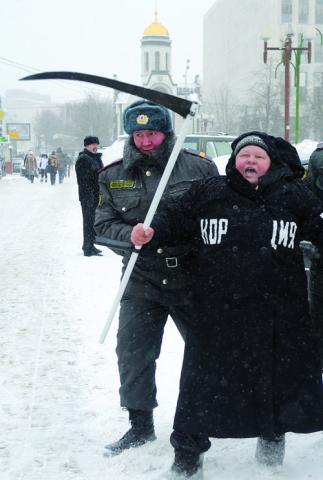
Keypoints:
pixel 273 244
pixel 283 233
pixel 204 225
pixel 213 230
pixel 223 228
pixel 292 233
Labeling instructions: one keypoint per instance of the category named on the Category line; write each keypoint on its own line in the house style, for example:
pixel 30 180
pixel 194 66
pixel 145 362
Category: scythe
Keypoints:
pixel 183 107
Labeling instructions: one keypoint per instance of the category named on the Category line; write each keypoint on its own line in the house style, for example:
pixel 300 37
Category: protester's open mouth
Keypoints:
pixel 250 171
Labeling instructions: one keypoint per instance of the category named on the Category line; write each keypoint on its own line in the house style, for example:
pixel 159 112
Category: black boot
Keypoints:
pixel 141 431
pixel 187 464
pixel 271 452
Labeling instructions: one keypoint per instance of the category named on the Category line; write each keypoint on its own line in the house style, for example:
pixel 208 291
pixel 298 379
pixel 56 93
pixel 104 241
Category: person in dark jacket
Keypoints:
pixel 315 181
pixel 251 364
pixel 52 167
pixel 87 169
pixel 61 164
pixel 160 280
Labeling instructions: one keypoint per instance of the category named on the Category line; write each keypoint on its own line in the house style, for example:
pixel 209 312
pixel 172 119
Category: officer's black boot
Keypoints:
pixel 187 465
pixel 271 452
pixel 141 431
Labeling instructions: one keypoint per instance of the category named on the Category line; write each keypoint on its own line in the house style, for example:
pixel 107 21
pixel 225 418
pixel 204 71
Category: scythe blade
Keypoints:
pixel 176 104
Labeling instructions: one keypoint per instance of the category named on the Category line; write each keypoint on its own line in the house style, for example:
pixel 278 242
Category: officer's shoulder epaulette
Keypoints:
pixel 196 153
pixel 115 162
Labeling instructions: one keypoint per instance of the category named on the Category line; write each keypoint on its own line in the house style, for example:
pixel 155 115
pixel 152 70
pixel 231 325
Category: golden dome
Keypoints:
pixel 156 29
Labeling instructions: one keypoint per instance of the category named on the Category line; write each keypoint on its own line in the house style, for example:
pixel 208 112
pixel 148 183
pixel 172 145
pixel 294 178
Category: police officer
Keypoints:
pixel 87 166
pixel 315 181
pixel 160 282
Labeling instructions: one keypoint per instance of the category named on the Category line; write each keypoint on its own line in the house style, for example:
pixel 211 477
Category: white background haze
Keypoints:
pixel 101 37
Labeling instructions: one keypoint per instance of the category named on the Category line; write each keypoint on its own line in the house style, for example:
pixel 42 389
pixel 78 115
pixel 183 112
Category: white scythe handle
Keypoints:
pixel 150 214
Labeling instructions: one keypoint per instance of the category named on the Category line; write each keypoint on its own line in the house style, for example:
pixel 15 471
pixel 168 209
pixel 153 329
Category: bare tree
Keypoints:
pixel 47 124
pixel 92 116
pixel 75 120
pixel 264 110
pixel 221 105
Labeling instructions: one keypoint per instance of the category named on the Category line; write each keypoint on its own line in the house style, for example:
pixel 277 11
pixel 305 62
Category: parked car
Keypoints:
pixel 213 145
pixel 217 146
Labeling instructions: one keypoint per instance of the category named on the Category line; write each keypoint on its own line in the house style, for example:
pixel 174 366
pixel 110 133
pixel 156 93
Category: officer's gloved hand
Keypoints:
pixel 140 236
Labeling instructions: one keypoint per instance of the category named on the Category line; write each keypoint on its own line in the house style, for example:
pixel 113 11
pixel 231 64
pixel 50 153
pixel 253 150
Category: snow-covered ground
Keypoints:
pixel 58 385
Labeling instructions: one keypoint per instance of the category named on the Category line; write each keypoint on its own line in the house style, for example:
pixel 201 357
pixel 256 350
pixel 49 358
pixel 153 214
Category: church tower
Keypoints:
pixel 156 60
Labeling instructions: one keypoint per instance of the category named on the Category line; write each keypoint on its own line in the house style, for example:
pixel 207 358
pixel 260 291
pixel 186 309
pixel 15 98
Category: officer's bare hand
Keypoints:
pixel 140 235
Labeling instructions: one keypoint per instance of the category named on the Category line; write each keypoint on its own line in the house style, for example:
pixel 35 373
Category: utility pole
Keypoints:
pixel 287 50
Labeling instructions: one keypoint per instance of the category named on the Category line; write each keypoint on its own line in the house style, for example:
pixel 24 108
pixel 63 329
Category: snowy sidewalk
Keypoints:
pixel 59 387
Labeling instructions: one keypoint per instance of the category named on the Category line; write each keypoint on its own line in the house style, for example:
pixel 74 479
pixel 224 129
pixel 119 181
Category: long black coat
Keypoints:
pixel 87 166
pixel 251 365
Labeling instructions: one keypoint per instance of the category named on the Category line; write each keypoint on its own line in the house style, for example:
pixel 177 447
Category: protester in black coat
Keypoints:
pixel 87 167
pixel 251 365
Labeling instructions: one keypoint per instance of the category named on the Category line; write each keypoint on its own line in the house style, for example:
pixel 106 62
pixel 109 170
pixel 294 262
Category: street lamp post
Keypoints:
pixel 287 50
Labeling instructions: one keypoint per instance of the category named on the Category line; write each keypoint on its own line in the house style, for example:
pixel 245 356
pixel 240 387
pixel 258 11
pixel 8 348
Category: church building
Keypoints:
pixel 156 71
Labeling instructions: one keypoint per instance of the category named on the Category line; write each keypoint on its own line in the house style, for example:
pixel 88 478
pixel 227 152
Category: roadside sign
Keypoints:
pixel 4 139
pixel 19 131
pixel 14 135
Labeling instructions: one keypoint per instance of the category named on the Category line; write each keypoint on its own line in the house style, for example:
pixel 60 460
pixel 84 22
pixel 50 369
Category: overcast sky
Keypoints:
pixel 100 37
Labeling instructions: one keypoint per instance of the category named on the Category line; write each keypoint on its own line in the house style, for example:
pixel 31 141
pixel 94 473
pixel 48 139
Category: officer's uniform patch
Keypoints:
pixel 122 184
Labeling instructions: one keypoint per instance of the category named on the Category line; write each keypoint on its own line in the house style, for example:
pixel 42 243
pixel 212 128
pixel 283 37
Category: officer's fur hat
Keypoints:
pixel 145 115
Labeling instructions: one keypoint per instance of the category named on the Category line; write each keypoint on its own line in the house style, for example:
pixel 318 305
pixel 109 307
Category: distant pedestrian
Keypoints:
pixel 61 164
pixel 31 166
pixel 52 167
pixel 43 163
pixel 69 163
pixel 87 166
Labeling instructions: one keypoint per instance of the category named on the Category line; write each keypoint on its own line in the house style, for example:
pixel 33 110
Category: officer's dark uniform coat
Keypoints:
pixel 251 364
